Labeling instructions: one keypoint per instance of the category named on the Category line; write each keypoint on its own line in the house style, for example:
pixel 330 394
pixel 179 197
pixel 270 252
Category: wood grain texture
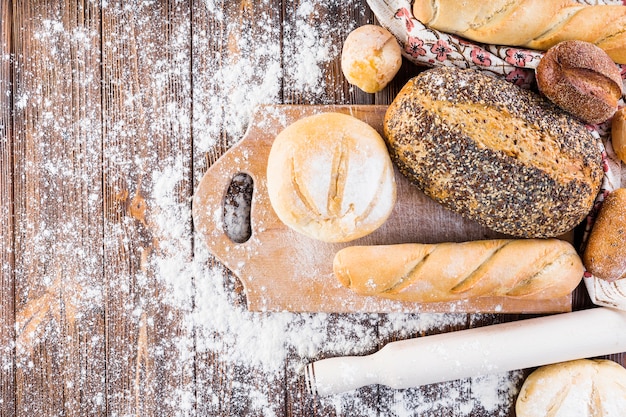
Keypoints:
pixel 230 44
pixel 146 135
pixel 59 344
pixel 7 259
pixel 106 110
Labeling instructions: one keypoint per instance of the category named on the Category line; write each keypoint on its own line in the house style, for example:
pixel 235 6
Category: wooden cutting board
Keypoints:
pixel 282 270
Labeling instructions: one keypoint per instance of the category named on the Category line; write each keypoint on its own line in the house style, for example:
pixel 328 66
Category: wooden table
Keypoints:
pixel 101 104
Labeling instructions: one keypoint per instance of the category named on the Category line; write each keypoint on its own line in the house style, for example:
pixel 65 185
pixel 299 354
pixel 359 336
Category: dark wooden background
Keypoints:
pixel 83 330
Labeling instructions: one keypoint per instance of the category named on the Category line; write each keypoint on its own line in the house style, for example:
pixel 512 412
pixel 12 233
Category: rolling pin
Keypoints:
pixel 474 352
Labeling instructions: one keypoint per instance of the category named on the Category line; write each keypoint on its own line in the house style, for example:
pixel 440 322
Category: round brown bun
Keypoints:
pixel 370 58
pixel 581 387
pixel 582 79
pixel 330 177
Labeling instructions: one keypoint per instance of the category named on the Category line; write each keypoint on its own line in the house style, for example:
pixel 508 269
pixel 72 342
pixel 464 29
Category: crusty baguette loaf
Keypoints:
pixel 523 268
pixel 536 24
pixel 504 157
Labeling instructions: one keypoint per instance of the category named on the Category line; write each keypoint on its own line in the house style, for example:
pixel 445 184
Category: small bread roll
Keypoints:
pixel 578 388
pixel 618 134
pixel 330 177
pixel 605 254
pixel 370 58
pixel 582 79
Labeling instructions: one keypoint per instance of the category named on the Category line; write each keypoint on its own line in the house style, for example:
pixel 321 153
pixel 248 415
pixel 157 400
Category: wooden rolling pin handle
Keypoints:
pixel 474 352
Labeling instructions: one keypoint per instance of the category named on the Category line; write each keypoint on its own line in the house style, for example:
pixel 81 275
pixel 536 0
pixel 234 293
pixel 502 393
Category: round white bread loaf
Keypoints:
pixel 330 177
pixel 579 388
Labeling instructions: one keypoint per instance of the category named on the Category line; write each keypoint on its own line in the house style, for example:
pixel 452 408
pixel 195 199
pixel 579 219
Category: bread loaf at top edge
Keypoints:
pixel 535 24
pixel 502 156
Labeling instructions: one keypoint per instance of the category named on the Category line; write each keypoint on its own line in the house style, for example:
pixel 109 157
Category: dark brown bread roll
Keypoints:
pixel 605 254
pixel 502 156
pixel 582 79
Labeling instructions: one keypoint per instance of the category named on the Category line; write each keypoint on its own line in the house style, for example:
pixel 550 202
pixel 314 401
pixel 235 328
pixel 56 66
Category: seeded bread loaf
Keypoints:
pixel 502 156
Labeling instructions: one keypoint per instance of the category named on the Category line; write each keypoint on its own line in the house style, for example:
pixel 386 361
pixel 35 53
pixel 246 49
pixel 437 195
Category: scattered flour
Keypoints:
pixel 266 341
pixel 216 320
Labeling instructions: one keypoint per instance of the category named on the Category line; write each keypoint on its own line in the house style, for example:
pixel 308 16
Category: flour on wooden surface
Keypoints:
pixel 264 342
pixel 269 344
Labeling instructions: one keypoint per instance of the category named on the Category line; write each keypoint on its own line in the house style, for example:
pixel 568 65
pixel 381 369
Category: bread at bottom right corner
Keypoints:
pixel 578 388
pixel 605 254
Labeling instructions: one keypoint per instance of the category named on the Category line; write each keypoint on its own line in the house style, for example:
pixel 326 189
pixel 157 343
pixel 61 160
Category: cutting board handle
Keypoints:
pixel 249 156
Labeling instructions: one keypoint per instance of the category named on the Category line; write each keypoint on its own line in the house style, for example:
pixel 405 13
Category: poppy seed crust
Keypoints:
pixel 502 156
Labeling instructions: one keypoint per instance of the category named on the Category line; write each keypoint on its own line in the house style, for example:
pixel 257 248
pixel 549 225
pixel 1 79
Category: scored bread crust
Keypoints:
pixel 534 24
pixel 535 269
pixel 499 155
pixel 583 387
pixel 330 177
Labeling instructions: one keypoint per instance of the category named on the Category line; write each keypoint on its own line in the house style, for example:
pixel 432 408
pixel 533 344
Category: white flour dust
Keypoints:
pixel 265 341
pixel 246 70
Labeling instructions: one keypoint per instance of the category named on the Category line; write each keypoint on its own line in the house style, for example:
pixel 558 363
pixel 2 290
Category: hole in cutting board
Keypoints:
pixel 237 203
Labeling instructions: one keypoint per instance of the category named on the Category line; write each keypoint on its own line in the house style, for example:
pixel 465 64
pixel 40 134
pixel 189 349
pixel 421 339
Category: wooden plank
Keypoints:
pixel 58 216
pixel 147 165
pixel 315 36
pixel 7 260
pixel 236 65
pixel 214 377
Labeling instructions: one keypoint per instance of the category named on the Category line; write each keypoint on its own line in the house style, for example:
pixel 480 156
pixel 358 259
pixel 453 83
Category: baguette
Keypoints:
pixel 532 269
pixel 536 24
